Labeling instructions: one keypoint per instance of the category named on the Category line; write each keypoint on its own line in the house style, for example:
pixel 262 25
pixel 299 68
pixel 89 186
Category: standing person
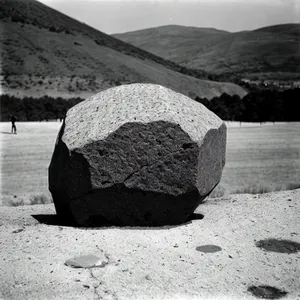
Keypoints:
pixel 13 125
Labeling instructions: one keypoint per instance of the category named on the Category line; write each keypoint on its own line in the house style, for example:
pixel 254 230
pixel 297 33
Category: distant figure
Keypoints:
pixel 13 125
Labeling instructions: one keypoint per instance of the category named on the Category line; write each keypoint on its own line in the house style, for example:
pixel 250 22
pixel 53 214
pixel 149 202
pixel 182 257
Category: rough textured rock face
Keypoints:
pixel 137 154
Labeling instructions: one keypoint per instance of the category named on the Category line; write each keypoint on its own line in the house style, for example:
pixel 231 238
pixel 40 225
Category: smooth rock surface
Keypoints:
pixel 86 261
pixel 137 154
pixel 143 262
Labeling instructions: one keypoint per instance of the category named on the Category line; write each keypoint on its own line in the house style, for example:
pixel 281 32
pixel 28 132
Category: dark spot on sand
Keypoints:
pixel 195 216
pixel 18 230
pixel 281 246
pixel 209 248
pixel 187 146
pixel 266 292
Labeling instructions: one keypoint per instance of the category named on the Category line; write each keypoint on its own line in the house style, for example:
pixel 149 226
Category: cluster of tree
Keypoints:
pixel 33 109
pixel 257 106
pixel 17 17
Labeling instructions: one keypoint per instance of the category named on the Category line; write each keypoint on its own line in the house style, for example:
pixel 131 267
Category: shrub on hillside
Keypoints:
pixel 52 29
pixel 17 18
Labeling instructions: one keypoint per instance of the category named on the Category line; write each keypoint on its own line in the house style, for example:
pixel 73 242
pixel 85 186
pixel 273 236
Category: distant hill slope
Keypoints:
pixel 271 51
pixel 169 41
pixel 46 52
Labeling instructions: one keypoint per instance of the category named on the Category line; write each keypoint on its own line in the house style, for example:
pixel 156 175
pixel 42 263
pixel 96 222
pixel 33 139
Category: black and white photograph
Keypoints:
pixel 150 149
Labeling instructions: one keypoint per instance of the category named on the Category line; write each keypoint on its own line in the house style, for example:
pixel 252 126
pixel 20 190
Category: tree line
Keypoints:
pixel 256 106
pixel 35 109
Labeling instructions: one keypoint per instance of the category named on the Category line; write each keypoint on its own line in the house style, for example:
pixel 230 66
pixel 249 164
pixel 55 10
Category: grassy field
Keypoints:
pixel 262 157
pixel 259 157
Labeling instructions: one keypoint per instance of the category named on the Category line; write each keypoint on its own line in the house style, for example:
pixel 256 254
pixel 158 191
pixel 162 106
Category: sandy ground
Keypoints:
pixel 153 263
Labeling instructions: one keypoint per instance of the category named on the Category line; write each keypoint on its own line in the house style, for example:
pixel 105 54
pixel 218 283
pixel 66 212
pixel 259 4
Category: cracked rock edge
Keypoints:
pixel 133 168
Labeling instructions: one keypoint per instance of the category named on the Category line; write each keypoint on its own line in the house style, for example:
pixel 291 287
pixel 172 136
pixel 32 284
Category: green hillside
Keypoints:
pixel 271 52
pixel 45 52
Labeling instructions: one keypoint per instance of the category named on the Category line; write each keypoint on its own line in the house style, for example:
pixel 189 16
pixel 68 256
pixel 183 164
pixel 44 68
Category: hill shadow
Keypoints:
pixel 54 220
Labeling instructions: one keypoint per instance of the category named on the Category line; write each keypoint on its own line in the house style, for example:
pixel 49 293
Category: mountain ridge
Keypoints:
pixel 174 26
pixel 271 49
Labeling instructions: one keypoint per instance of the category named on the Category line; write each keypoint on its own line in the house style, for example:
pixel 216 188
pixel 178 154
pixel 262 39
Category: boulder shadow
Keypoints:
pixel 194 216
pixel 54 220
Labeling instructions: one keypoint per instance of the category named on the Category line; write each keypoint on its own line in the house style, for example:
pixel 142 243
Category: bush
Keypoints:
pixel 16 18
pixel 101 43
pixel 218 192
pixel 292 186
pixel 255 189
pixel 52 28
pixel 39 199
pixel 19 202
pixel 260 189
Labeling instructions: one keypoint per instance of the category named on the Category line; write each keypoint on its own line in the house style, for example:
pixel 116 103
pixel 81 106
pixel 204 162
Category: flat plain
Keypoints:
pixel 258 157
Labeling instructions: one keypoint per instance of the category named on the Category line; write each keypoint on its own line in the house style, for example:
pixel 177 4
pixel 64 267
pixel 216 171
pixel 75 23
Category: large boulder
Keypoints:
pixel 136 154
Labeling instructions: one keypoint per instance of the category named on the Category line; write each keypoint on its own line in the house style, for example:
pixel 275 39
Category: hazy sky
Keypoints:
pixel 117 16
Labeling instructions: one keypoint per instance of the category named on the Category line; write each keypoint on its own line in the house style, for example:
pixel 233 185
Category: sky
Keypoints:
pixel 118 16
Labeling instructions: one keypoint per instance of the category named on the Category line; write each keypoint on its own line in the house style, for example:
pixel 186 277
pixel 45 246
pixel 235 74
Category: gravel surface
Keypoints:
pixel 155 263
